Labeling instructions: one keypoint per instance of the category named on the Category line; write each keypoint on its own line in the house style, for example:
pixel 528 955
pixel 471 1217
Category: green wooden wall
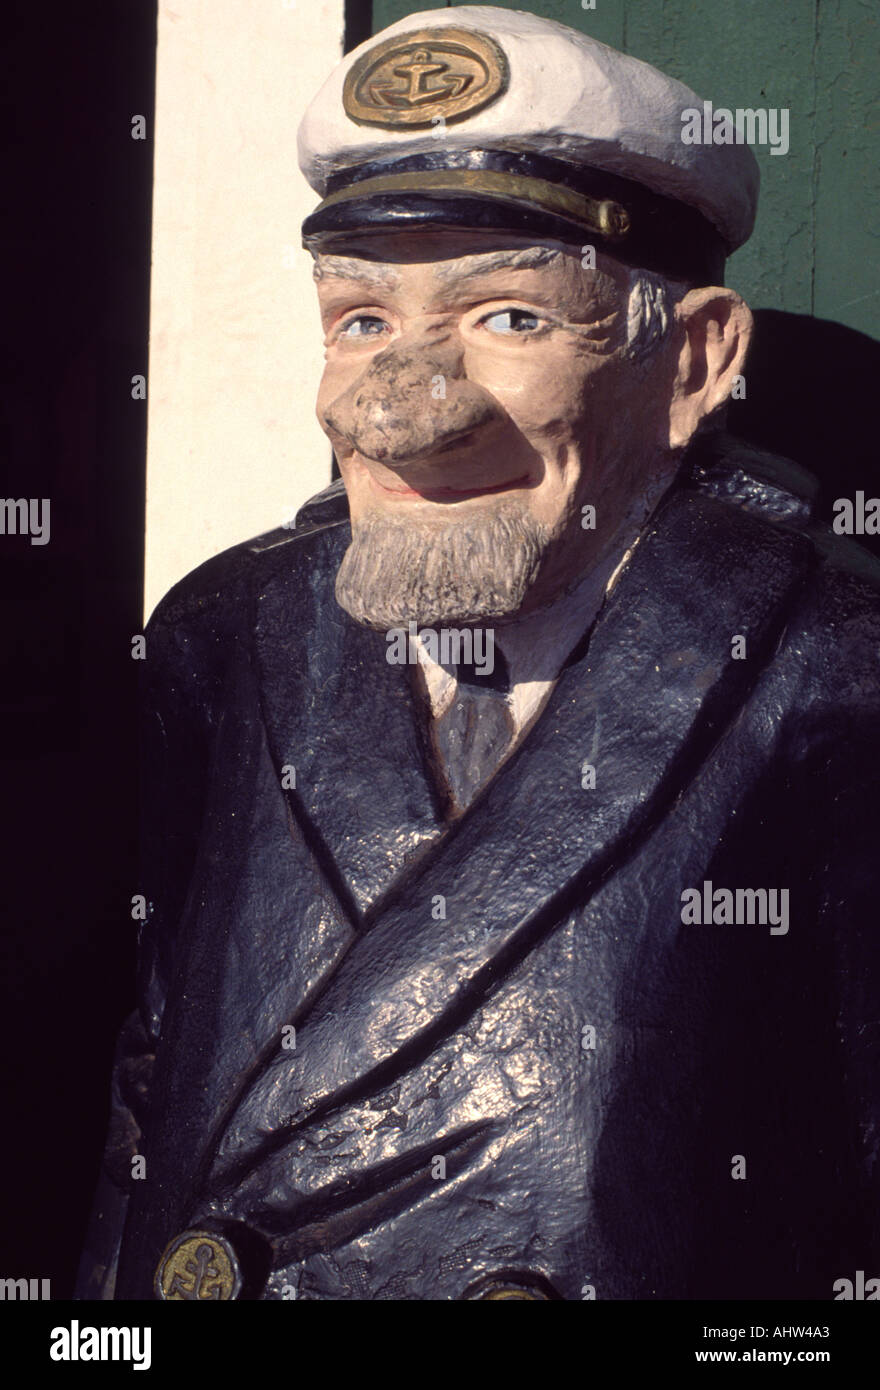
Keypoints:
pixel 816 246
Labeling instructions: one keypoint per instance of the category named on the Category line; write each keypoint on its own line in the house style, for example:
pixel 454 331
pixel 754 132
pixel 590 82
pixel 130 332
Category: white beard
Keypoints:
pixel 479 566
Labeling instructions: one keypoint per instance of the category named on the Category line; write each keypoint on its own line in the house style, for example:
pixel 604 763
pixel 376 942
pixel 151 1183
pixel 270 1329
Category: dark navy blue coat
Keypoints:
pixel 718 1048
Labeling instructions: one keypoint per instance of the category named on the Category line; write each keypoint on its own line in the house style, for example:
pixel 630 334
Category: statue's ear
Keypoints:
pixel 717 330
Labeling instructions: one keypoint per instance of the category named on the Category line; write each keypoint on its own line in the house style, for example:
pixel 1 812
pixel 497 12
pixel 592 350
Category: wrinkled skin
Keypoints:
pixel 457 379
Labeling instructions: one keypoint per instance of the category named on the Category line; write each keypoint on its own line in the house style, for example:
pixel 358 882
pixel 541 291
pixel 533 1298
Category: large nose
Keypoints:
pixel 412 400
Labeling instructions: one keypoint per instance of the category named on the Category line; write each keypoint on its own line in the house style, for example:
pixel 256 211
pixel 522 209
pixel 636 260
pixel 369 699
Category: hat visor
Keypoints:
pixel 474 199
pixel 486 200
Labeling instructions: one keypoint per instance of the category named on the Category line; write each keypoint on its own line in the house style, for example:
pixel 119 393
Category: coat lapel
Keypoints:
pixel 345 720
pixel 643 703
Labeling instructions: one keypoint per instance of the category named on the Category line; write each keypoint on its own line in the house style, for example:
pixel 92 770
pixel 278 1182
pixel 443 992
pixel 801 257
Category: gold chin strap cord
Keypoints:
pixel 602 216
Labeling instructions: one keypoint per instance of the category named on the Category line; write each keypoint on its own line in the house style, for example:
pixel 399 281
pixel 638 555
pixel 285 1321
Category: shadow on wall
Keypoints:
pixel 811 395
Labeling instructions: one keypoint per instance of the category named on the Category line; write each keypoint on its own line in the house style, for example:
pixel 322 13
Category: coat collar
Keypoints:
pixel 346 721
pixel 642 701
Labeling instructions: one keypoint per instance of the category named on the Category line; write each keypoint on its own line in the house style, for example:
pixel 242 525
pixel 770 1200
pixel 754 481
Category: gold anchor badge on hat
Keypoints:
pixel 416 78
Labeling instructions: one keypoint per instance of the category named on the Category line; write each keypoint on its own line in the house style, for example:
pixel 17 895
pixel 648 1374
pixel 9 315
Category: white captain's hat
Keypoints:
pixel 481 118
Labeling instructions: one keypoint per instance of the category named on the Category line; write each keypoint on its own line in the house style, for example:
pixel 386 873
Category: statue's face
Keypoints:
pixel 478 395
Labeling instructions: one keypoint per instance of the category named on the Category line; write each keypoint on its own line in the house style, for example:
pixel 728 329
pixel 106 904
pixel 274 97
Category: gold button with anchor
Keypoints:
pixel 504 1285
pixel 198 1267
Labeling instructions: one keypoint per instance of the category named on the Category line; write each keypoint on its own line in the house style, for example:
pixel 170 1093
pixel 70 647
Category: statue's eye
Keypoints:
pixel 512 321
pixel 363 326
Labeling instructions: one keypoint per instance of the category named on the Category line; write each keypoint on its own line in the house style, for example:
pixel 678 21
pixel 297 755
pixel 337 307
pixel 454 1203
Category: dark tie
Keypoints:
pixel 472 736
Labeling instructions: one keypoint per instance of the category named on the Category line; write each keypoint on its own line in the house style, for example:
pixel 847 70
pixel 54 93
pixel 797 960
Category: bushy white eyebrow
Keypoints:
pixel 484 263
pixel 350 268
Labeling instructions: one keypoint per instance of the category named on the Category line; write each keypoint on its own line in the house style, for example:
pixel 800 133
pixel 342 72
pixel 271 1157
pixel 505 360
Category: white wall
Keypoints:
pixel 233 446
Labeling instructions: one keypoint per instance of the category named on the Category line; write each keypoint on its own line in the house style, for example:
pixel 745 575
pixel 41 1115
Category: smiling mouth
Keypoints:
pixel 451 494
